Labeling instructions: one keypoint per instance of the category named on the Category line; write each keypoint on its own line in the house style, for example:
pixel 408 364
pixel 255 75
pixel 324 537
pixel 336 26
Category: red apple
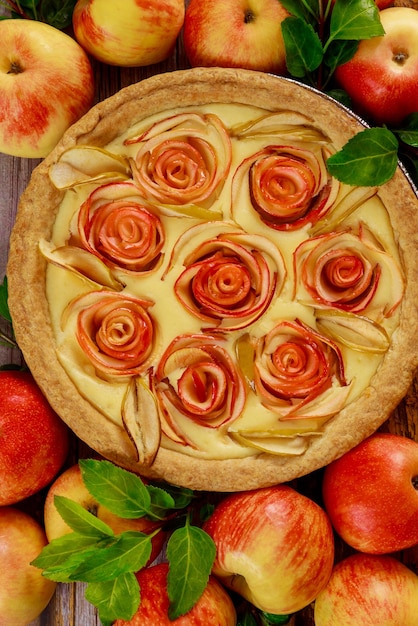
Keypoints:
pixel 370 497
pixel 24 592
pixel 274 547
pixel 382 77
pixel 128 33
pixel 34 440
pixel 46 84
pixel 236 33
pixel 214 607
pixel 368 590
pixel 70 484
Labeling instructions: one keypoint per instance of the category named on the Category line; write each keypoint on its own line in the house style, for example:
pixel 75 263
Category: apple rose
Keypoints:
pixel 182 160
pixel 122 231
pixel 229 279
pixel 197 380
pixel 299 373
pixel 288 186
pixel 348 271
pixel 115 331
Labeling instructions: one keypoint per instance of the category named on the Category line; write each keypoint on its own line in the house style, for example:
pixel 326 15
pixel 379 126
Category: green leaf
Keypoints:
pixel 115 599
pixel 307 10
pixel 409 131
pixel 4 307
pixel 355 19
pixel 161 503
pixel 247 619
pixel 63 555
pixel 303 47
pixel 182 496
pixel 80 520
pixel 129 552
pixel 370 158
pixel 190 553
pixel 120 491
pixel 339 52
pixel 58 13
pixel 269 619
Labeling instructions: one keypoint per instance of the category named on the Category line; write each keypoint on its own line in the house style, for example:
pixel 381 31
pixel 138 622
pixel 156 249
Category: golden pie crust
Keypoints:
pixel 29 307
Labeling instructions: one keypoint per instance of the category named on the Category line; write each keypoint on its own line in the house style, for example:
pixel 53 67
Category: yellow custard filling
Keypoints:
pixel 310 304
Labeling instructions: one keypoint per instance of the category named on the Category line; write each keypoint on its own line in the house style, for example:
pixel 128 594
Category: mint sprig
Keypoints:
pixel 6 339
pixel 92 553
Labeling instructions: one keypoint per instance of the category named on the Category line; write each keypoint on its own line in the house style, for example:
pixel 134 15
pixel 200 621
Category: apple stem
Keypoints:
pixel 249 16
pixel 15 68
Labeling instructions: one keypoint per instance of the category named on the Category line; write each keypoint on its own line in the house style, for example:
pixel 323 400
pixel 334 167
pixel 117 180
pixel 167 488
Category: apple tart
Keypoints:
pixel 200 301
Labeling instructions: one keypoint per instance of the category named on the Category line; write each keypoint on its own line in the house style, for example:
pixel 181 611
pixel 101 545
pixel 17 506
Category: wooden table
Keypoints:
pixel 68 606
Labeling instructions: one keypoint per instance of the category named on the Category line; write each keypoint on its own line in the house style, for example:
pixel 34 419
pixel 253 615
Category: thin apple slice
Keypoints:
pixel 141 421
pixel 273 443
pixel 287 123
pixel 87 164
pixel 354 331
pixel 81 262
pixel 348 200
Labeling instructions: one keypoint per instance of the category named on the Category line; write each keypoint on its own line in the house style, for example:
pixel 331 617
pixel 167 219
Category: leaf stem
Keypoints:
pixel 8 340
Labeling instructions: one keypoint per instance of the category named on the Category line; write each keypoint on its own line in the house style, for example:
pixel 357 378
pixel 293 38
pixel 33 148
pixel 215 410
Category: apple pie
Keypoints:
pixel 198 298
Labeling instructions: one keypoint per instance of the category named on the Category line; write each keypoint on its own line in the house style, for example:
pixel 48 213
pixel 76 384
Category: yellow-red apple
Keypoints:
pixel 236 33
pixel 24 592
pixel 382 76
pixel 274 547
pixel 370 497
pixel 368 590
pixel 34 441
pixel 129 33
pixel 214 606
pixel 70 484
pixel 46 84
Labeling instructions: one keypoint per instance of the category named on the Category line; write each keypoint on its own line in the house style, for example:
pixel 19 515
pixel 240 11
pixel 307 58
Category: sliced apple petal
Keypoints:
pixel 141 421
pixel 81 262
pixel 348 200
pixel 354 331
pixel 245 351
pixel 272 444
pixel 289 123
pixel 87 164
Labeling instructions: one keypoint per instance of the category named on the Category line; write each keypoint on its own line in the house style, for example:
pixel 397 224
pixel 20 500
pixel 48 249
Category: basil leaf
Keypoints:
pixel 115 599
pixel 58 13
pixel 190 553
pixel 303 47
pixel 367 159
pixel 355 19
pixel 129 552
pixel 80 520
pixel 4 307
pixel 120 491
pixel 409 131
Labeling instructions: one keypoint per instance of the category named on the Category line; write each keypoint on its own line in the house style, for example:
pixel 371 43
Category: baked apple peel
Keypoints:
pixel 182 160
pixel 350 271
pixel 230 279
pixel 198 380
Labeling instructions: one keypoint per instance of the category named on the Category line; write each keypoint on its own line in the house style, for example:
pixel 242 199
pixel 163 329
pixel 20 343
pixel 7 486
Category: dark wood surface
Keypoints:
pixel 68 606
